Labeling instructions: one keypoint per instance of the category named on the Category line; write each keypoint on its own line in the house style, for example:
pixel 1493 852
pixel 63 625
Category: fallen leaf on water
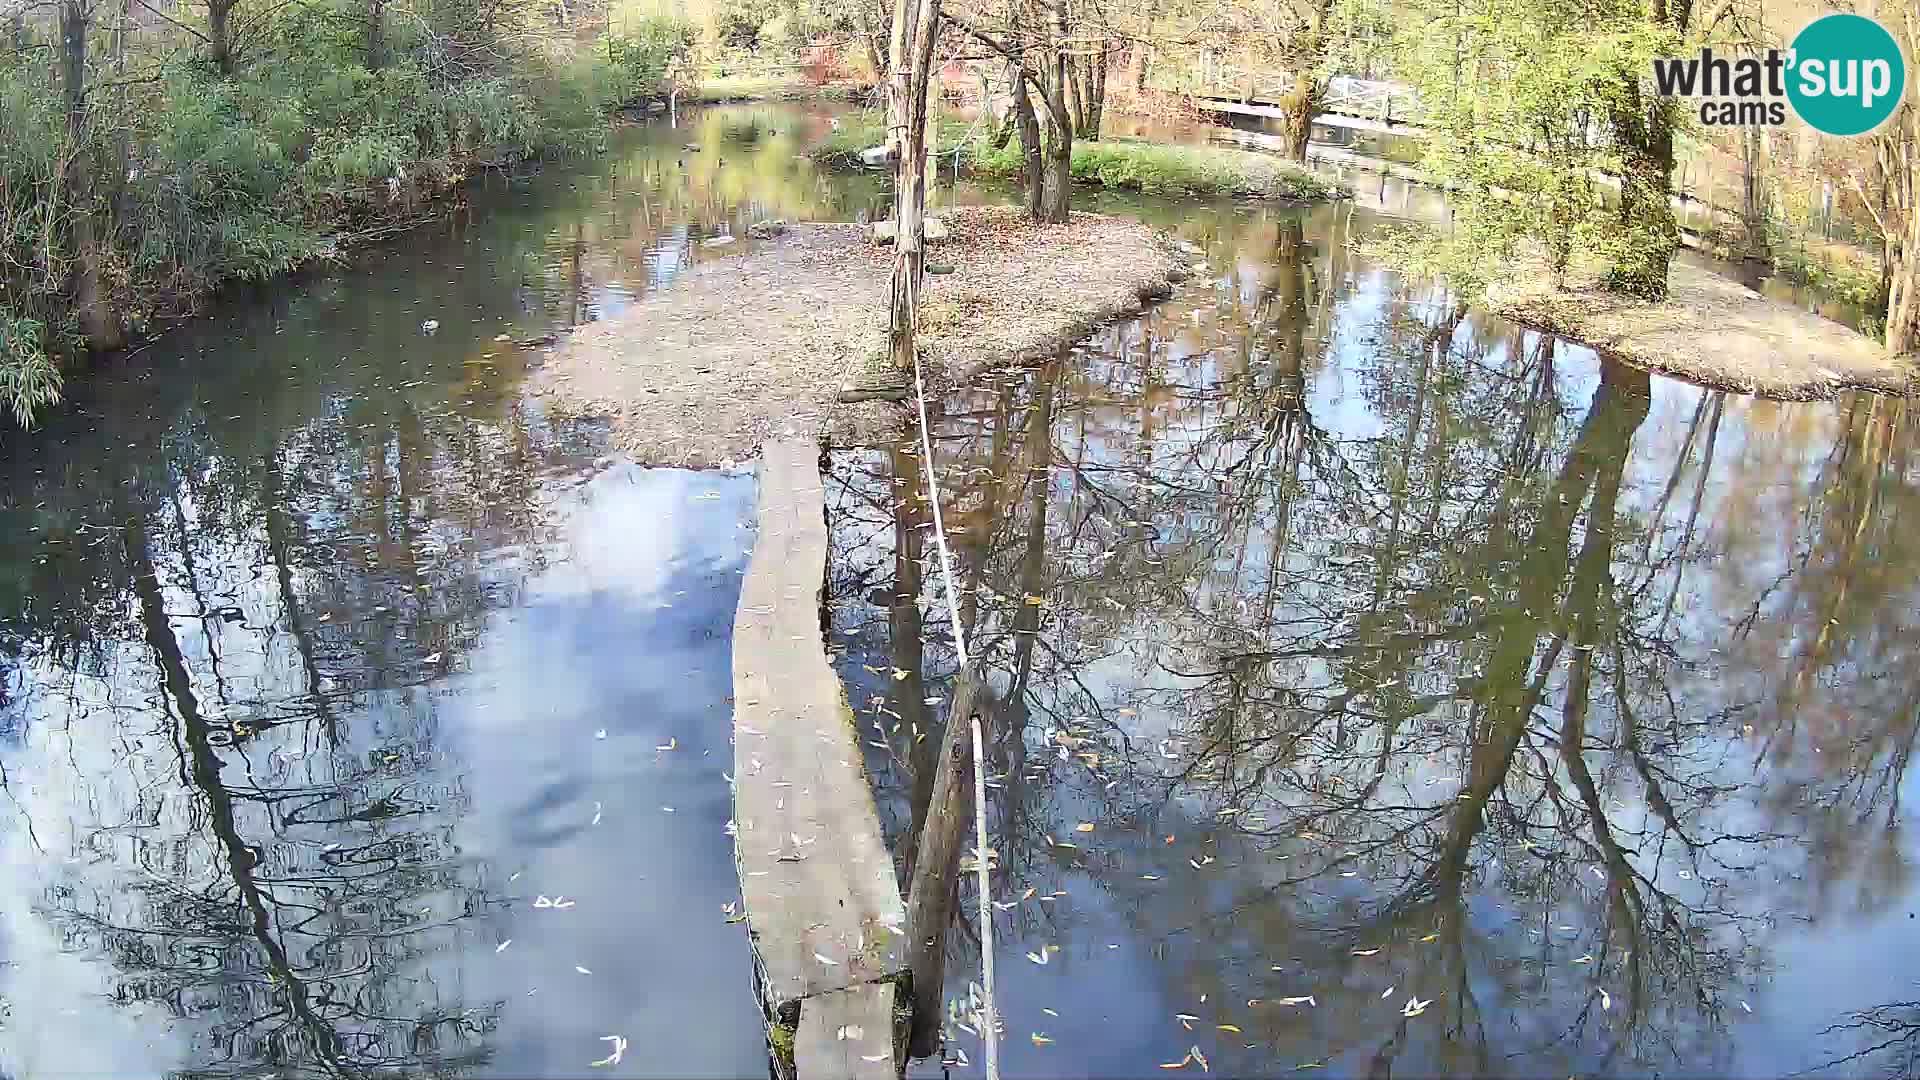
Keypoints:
pixel 672 743
pixel 1085 826
pixel 1228 1027
pixel 581 970
pixel 1414 1006
pixel 1310 1065
pixel 1051 1013
pixel 827 960
pixel 1038 957
pixel 1365 952
pixel 1606 1002
pixel 1431 937
pixel 596 814
pixel 1194 1053
pixel 1585 958
pixel 1307 1000
pixel 1039 1039
pixel 542 901
pixel 1388 992
pixel 1185 1016
pixel 1746 1006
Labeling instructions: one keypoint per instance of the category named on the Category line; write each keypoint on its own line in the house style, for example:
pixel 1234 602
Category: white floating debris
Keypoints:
pixel 581 970
pixel 619 1051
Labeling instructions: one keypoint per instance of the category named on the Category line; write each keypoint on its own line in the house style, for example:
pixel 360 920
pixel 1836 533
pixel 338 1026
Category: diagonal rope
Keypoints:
pixel 989 1027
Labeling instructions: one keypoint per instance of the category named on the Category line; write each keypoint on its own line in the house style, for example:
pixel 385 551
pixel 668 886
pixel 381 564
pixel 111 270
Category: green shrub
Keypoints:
pixel 642 51
pixel 28 378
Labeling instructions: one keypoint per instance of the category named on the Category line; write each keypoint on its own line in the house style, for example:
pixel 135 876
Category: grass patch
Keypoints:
pixel 718 89
pixel 1121 164
pixel 841 149
pixel 1156 169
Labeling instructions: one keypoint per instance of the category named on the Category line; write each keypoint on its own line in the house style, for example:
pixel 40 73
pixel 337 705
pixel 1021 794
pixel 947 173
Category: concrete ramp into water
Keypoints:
pixel 823 908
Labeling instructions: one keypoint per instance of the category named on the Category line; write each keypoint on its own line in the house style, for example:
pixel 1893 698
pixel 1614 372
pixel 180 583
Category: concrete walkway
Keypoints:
pixel 823 908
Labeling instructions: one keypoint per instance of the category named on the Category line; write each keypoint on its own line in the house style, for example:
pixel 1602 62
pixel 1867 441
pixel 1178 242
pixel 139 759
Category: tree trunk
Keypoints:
pixel 911 80
pixel 1300 104
pixel 219 37
pixel 92 308
pixel 1903 288
pixel 936 861
pixel 1071 78
pixel 1056 197
pixel 1899 155
pixel 1056 183
pixel 1097 95
pixel 1032 169
pixel 899 75
pixel 1648 234
pixel 1143 56
pixel 376 34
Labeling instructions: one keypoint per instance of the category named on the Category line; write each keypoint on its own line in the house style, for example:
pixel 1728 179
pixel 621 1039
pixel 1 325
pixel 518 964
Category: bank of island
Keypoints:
pixel 787 334
pixel 1711 330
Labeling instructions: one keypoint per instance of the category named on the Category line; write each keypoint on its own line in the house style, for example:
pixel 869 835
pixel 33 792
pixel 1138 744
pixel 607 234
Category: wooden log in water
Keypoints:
pixel 823 908
pixel 947 826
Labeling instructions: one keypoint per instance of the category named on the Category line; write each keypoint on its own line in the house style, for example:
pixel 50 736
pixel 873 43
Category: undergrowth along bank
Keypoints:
pixel 150 173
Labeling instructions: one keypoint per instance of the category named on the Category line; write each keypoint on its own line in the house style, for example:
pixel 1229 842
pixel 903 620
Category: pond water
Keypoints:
pixel 358 718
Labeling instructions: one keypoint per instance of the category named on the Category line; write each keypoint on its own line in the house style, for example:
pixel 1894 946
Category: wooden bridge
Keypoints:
pixel 1358 104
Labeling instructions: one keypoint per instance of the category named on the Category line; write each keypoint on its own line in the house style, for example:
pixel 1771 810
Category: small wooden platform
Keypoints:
pixel 823 909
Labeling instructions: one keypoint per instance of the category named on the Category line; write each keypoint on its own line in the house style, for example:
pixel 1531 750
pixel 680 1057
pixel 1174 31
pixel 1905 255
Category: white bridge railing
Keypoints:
pixel 1381 103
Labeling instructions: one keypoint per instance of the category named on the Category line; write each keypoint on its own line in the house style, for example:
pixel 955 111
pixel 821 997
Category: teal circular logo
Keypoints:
pixel 1845 74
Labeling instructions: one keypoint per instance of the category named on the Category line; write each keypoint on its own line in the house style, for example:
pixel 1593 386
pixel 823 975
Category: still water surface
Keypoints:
pixel 1387 655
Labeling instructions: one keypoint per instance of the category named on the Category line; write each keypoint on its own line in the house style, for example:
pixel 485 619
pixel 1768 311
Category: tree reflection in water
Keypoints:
pixel 1392 651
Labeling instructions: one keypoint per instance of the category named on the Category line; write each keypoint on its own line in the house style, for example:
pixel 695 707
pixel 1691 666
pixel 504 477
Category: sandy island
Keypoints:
pixel 1710 330
pixel 766 338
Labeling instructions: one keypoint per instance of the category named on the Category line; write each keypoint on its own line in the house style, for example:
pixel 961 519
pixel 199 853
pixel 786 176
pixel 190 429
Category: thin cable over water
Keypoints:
pixel 989 1028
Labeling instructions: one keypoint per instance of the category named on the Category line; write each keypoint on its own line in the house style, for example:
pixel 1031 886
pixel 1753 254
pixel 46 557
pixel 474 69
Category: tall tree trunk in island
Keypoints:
pixel 219 35
pixel 936 861
pixel 1057 192
pixel 911 81
pixel 1648 235
pixel 1299 106
pixel 1056 184
pixel 91 305
pixel 899 74
pixel 376 34
pixel 1032 168
pixel 1302 103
